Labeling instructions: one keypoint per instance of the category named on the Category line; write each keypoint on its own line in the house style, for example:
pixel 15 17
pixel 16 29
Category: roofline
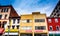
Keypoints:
pixel 55 7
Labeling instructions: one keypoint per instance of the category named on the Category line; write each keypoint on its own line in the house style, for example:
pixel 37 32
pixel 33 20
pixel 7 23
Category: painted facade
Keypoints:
pixel 53 26
pixel 33 24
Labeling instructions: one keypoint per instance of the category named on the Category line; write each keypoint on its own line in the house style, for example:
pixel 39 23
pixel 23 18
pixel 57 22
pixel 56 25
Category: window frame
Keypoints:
pixel 14 21
pixel 49 20
pixel 50 29
pixel 39 20
pixel 40 27
pixel 0 16
pixel 58 28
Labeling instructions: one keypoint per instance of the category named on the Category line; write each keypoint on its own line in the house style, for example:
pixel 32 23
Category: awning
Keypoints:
pixel 1 30
pixel 11 33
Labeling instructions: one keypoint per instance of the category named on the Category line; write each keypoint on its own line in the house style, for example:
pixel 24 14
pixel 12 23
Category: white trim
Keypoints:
pixel 11 34
pixel 54 32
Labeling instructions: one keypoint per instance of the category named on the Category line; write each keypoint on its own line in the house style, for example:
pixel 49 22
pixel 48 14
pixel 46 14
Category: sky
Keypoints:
pixel 29 6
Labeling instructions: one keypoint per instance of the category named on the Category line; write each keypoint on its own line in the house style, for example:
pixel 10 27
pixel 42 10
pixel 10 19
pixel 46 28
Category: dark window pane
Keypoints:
pixel 50 27
pixel 28 21
pixel 13 27
pixel 14 21
pixel 39 20
pixel 5 16
pixel 25 34
pixel 17 26
pixel 57 27
pixel 0 16
pixel 18 20
pixel 40 27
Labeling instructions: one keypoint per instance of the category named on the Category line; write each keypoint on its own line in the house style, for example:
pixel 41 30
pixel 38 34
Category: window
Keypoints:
pixel 0 16
pixel 26 27
pixel 17 26
pixel 0 24
pixel 26 21
pixel 49 20
pixel 56 20
pixel 14 21
pixel 13 27
pixel 4 10
pixel 51 28
pixel 24 34
pixel 39 20
pixel 57 27
pixel 5 16
pixel 40 27
pixel 41 34
pixel 8 27
pixel 1 10
pixel 18 20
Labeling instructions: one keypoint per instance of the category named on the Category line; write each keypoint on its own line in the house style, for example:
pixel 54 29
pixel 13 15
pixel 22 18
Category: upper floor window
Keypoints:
pixel 18 20
pixel 5 16
pixel 17 26
pixel 8 27
pixel 0 23
pixel 13 27
pixel 39 20
pixel 0 16
pixel 49 20
pixel 26 27
pixel 40 27
pixel 14 21
pixel 56 20
pixel 51 28
pixel 4 10
pixel 27 21
pixel 57 28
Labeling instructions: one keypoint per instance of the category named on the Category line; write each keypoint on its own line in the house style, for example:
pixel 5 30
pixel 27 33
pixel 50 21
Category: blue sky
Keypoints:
pixel 29 6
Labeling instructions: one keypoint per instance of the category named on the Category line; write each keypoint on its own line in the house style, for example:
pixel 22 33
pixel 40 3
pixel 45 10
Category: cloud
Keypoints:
pixel 29 6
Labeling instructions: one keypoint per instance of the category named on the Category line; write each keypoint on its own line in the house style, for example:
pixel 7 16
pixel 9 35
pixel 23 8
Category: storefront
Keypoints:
pixel 40 34
pixel 25 34
pixel 1 31
pixel 54 33
pixel 11 34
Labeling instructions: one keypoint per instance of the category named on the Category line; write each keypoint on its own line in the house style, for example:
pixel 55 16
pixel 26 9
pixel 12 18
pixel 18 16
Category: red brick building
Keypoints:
pixel 53 26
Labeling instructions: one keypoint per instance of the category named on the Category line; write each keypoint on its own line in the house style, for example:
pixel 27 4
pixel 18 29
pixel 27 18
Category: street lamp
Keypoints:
pixel 8 30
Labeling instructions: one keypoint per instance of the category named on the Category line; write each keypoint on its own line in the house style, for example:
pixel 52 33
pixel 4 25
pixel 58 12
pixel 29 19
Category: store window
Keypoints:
pixel 24 34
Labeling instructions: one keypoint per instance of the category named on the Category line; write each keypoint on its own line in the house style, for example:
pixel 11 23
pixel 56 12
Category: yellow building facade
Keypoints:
pixel 34 24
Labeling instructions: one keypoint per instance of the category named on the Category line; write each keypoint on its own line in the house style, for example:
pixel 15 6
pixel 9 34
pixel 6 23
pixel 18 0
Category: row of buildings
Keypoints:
pixel 35 24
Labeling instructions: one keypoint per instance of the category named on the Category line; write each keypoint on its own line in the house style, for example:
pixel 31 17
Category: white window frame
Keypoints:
pixel 56 20
pixel 26 27
pixel 49 20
